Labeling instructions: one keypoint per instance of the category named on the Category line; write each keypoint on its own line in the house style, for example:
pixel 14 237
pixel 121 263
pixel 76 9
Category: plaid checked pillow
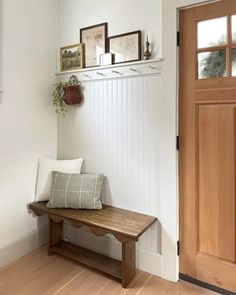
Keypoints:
pixel 77 191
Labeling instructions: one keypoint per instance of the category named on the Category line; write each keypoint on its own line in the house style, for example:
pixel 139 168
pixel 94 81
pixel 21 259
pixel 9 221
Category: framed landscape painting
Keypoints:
pixel 72 57
pixel 95 40
pixel 125 47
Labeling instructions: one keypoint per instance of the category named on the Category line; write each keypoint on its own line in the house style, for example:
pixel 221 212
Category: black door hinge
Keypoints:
pixel 178 249
pixel 178 38
pixel 177 143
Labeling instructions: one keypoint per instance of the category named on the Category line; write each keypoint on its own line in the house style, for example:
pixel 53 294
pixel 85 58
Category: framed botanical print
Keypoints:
pixel 72 57
pixel 95 40
pixel 125 47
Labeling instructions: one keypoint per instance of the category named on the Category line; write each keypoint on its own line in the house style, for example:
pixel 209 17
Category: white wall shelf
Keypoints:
pixel 130 69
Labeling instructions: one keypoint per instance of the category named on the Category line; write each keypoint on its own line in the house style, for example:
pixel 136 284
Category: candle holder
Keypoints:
pixel 147 54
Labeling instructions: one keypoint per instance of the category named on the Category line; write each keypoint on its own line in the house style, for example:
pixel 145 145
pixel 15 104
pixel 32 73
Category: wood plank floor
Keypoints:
pixel 39 274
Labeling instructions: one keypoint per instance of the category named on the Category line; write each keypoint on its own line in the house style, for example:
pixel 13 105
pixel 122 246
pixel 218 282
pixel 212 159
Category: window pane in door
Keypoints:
pixel 234 28
pixel 212 64
pixel 234 62
pixel 212 32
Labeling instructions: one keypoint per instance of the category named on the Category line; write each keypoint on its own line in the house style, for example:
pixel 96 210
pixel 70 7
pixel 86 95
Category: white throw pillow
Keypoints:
pixel 44 178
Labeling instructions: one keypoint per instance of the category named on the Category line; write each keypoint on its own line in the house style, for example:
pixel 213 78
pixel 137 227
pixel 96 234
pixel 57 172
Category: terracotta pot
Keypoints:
pixel 72 95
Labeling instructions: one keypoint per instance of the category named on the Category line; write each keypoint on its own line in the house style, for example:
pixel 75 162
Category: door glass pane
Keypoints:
pixel 212 64
pixel 234 62
pixel 234 28
pixel 212 32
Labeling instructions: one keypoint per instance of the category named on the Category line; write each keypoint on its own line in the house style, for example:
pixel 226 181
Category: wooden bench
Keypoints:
pixel 126 226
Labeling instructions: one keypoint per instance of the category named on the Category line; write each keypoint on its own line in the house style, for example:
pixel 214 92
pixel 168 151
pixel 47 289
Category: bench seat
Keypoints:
pixel 126 226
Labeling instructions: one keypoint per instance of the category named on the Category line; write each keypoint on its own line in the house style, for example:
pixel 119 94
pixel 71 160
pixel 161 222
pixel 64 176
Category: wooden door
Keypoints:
pixel 208 143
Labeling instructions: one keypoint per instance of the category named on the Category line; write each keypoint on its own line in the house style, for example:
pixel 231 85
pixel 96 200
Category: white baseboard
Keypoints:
pixel 23 245
pixel 108 245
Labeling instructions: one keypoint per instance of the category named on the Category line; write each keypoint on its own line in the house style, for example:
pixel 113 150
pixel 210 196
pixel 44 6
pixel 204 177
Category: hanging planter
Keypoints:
pixel 72 94
pixel 66 93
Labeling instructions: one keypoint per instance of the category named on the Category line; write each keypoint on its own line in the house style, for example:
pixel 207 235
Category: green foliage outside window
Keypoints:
pixel 213 65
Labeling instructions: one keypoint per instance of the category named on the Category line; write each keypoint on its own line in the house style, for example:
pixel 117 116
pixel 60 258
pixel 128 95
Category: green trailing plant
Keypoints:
pixel 58 94
pixel 58 98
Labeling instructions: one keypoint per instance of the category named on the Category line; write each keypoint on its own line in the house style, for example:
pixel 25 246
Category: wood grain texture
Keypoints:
pixel 39 274
pixel 216 124
pixel 90 258
pixel 207 158
pixel 22 277
pixel 111 219
pixel 128 262
pixel 100 222
pixel 55 233
pixel 187 177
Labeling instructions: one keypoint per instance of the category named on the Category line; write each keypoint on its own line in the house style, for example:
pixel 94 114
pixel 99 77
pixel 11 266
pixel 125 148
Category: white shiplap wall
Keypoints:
pixel 0 51
pixel 115 130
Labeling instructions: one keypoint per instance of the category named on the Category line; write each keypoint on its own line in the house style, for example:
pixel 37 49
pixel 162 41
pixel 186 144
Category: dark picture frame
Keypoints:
pixel 95 40
pixel 125 47
pixel 72 57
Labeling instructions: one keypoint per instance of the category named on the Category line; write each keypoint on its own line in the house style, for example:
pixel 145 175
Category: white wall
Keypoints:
pixel 116 129
pixel 122 16
pixel 0 50
pixel 159 19
pixel 27 118
pixel 169 129
pixel 28 124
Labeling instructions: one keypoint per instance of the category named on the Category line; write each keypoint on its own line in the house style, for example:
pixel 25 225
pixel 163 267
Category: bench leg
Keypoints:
pixel 55 234
pixel 128 262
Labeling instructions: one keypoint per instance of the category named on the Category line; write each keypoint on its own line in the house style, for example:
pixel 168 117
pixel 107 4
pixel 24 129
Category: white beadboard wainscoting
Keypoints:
pixel 115 130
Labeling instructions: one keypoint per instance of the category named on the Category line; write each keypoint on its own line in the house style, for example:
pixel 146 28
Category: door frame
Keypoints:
pixel 169 176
